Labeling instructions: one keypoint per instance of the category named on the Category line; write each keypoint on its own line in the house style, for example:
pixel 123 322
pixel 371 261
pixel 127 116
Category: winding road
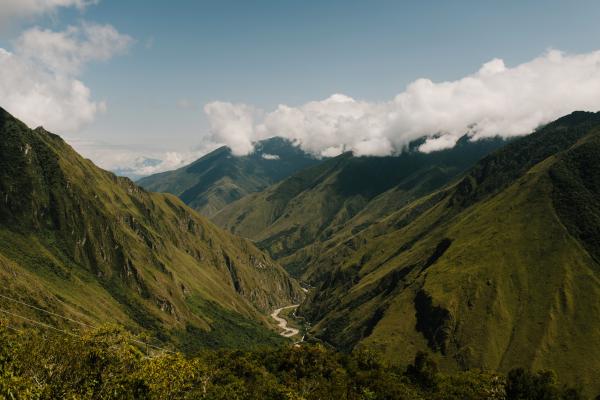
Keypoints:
pixel 286 332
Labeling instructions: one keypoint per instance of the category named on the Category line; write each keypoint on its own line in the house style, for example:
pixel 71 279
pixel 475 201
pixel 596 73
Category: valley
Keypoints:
pixel 299 200
pixel 283 322
pixel 83 243
pixel 393 267
pixel 434 259
pixel 439 258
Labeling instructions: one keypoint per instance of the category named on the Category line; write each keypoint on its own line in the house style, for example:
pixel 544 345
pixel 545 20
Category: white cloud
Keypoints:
pixel 232 124
pixel 12 9
pixel 39 97
pixel 39 83
pixel 68 51
pixel 495 101
pixel 267 156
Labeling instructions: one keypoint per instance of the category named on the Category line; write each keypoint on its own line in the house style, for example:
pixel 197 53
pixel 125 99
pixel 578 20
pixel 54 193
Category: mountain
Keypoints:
pixel 83 243
pixel 498 270
pixel 294 218
pixel 133 172
pixel 219 178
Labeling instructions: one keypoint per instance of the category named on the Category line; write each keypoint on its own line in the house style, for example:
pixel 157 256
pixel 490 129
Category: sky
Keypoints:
pixel 128 81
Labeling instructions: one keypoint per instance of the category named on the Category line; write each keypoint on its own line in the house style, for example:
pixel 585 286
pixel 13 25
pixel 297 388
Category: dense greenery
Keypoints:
pixel 107 364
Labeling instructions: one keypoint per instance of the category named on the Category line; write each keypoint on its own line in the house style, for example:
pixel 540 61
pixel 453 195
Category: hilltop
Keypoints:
pixel 219 178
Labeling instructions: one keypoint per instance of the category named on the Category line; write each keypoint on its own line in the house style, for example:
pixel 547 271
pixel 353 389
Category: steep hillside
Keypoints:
pixel 292 219
pixel 499 270
pixel 81 242
pixel 219 178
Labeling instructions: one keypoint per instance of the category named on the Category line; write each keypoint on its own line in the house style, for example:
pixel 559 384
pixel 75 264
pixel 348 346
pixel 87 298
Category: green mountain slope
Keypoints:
pixel 497 271
pixel 219 178
pixel 294 218
pixel 81 242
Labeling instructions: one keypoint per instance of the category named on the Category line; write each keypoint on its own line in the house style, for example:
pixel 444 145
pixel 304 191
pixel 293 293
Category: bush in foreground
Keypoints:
pixel 109 364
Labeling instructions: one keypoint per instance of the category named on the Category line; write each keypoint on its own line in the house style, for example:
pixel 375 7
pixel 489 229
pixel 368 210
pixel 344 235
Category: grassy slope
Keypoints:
pixel 219 178
pixel 293 219
pixel 495 272
pixel 78 240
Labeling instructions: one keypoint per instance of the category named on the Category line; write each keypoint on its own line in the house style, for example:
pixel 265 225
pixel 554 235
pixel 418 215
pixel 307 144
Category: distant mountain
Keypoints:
pixel 294 218
pixel 219 178
pixel 498 270
pixel 133 172
pixel 81 242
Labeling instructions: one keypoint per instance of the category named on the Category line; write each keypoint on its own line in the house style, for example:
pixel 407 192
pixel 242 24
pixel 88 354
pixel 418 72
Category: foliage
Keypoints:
pixel 108 363
pixel 524 385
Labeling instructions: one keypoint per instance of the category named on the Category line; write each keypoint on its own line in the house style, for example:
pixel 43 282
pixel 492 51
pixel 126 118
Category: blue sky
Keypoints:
pixel 185 54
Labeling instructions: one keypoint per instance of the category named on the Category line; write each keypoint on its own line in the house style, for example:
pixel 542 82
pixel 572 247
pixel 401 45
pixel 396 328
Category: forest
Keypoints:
pixel 110 362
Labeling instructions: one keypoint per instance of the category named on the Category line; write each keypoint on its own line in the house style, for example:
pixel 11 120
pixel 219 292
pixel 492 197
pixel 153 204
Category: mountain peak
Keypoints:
pixel 219 178
pixel 5 116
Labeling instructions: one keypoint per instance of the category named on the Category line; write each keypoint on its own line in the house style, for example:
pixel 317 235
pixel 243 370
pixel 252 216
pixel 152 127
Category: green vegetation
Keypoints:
pixel 490 270
pixel 229 330
pixel 80 242
pixel 495 271
pixel 108 364
pixel 294 218
pixel 219 178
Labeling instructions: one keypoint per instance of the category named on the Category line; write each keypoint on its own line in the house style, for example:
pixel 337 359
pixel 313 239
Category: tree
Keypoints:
pixel 423 371
pixel 525 385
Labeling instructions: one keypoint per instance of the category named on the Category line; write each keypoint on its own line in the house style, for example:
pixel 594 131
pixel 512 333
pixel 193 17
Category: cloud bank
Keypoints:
pixel 494 101
pixel 39 81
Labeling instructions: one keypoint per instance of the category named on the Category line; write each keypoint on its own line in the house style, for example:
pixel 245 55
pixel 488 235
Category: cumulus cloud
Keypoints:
pixel 39 82
pixel 494 101
pixel 233 124
pixel 68 51
pixel 39 97
pixel 12 9
pixel 267 156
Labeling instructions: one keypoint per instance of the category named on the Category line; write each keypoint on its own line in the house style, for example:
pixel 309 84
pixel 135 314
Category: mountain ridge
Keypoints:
pixel 292 218
pixel 77 239
pixel 219 178
pixel 495 271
